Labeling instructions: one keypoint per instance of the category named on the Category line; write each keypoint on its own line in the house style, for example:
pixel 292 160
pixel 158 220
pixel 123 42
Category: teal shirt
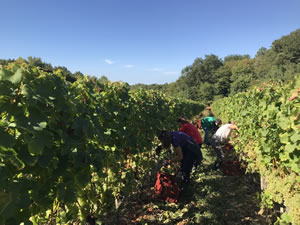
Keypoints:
pixel 208 122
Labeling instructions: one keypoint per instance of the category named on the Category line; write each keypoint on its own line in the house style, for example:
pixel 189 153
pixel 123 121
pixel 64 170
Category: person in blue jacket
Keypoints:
pixel 187 151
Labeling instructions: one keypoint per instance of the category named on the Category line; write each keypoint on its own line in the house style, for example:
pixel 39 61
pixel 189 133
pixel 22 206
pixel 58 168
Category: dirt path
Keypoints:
pixel 211 198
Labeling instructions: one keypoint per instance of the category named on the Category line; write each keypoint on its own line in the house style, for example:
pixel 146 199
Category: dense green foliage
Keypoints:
pixel 269 139
pixel 47 67
pixel 212 78
pixel 69 150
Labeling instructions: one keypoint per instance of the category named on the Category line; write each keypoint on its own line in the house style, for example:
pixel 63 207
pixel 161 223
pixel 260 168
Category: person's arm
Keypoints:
pixel 179 155
pixel 198 124
pixel 233 127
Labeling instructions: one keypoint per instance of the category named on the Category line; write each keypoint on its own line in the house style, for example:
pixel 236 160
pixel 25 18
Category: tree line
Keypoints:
pixel 211 78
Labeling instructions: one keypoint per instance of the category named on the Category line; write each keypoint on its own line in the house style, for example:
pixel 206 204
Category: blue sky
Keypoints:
pixel 140 41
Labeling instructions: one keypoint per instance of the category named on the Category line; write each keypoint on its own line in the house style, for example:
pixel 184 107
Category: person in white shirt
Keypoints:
pixel 219 139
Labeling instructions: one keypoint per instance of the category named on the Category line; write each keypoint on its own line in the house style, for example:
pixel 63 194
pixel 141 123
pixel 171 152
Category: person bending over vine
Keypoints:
pixel 187 151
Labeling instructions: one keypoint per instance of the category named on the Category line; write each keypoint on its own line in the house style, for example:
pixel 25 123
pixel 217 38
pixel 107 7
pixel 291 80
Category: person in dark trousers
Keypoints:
pixel 219 139
pixel 187 152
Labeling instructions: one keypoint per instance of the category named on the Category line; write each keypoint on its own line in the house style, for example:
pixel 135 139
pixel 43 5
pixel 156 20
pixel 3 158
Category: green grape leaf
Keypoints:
pixel 12 77
pixel 37 143
pixel 17 77
pixel 6 88
pixel 27 91
pixel 45 159
pixel 36 147
pixel 295 167
pixel 65 193
pixel 284 156
pixel 36 116
pixel 284 124
pixel 40 126
pixel 27 158
pixel 295 137
pixel 284 138
pixel 83 177
pixel 9 154
pixel 82 127
pixel 285 218
pixel 5 74
pixel 264 133
pixel 7 140
pixel 290 148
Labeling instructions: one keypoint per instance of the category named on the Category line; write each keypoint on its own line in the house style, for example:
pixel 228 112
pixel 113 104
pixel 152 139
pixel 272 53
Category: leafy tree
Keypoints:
pixel 66 73
pixel 158 87
pixel 263 64
pixel 176 89
pixel 20 60
pixel 223 83
pixel 261 52
pixel 4 62
pixel 287 48
pixel 235 58
pixel 242 75
pixel 281 61
pixel 206 93
pixel 201 71
pixel 63 70
pixel 78 74
pixel 36 61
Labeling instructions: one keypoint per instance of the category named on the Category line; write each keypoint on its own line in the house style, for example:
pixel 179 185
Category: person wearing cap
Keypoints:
pixel 210 125
pixel 219 139
pixel 187 151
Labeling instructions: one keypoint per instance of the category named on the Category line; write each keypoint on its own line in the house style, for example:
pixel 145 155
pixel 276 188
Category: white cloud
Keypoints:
pixel 171 73
pixel 108 61
pixel 129 66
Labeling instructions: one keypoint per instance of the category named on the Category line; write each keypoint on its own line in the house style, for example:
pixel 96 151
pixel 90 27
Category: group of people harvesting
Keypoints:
pixel 187 142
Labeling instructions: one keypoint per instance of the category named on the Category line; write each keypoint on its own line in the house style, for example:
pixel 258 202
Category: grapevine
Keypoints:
pixel 269 139
pixel 69 151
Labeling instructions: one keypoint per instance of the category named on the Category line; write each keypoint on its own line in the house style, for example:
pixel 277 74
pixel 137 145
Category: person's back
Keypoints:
pixel 208 122
pixel 179 138
pixel 192 131
pixel 221 137
pixel 222 134
pixel 188 152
